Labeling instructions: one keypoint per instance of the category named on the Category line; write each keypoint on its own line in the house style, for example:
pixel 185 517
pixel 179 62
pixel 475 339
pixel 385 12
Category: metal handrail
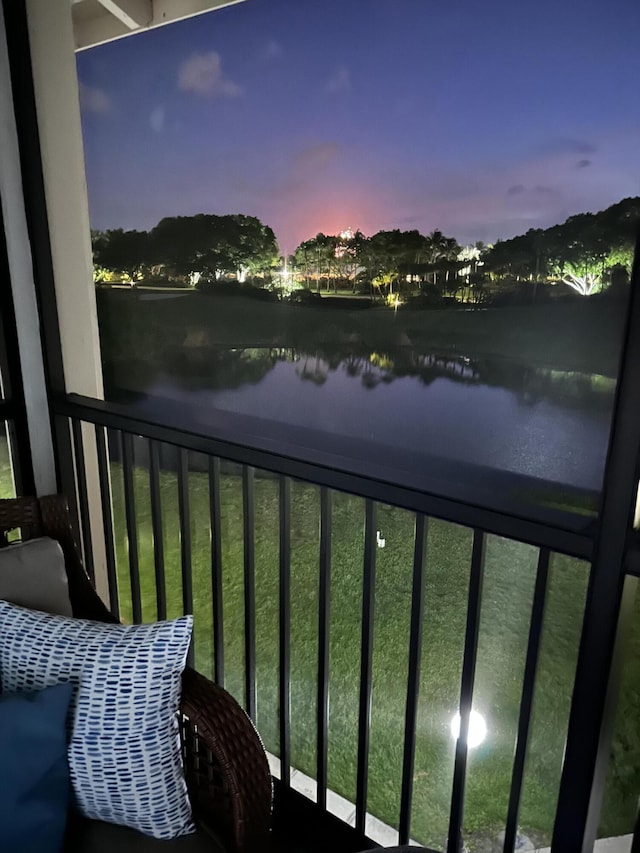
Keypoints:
pixel 555 532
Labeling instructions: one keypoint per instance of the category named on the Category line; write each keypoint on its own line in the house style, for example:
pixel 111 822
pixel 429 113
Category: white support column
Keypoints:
pixel 22 284
pixel 58 108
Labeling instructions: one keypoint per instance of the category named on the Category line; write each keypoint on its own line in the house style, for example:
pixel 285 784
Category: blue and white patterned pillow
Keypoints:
pixel 124 754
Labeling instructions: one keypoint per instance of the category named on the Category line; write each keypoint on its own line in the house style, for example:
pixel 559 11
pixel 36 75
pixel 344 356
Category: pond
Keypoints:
pixel 422 418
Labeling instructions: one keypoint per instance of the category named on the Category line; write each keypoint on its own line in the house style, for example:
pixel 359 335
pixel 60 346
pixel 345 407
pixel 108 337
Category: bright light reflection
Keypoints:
pixel 477 728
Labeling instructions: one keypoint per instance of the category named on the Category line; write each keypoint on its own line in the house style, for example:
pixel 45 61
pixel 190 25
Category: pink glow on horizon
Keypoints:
pixel 487 204
pixel 326 210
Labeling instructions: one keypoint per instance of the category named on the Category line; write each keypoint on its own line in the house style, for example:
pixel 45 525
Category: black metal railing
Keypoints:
pixel 413 678
pixel 554 532
pixel 526 702
pixel 119 439
pixel 466 689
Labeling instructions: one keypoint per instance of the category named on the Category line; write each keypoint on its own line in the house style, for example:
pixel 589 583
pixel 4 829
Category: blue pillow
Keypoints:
pixel 33 768
pixel 124 753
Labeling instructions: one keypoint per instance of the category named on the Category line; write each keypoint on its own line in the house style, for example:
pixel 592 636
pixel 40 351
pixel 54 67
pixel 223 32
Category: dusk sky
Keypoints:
pixel 481 119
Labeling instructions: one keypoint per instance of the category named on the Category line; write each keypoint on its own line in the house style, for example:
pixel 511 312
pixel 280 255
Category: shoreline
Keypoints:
pixel 572 336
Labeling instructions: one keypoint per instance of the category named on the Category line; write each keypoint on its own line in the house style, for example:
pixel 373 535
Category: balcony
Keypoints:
pixel 320 609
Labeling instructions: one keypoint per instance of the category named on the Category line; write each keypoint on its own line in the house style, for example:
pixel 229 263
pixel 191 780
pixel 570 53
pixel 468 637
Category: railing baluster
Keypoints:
pixel 107 519
pixel 454 843
pixel 526 702
pixel 248 479
pixel 131 522
pixel 285 630
pixel 156 525
pixel 83 497
pixel 184 513
pixel 324 591
pixel 216 569
pixel 413 678
pixel 635 844
pixel 366 664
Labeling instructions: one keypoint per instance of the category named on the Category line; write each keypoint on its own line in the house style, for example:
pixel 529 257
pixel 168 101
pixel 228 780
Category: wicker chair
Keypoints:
pixel 225 763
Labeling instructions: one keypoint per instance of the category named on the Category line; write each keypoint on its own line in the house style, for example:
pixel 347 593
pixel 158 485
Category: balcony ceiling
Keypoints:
pixel 99 21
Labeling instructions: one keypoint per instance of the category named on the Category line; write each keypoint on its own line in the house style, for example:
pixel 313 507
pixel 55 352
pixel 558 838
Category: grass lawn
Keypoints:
pixel 506 604
pixel 577 335
pixel 6 477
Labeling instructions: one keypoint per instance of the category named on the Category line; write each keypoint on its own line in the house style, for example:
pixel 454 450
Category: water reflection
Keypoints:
pixel 227 369
pixel 435 421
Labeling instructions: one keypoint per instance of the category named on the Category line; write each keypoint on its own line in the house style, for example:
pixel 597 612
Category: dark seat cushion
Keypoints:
pixel 92 836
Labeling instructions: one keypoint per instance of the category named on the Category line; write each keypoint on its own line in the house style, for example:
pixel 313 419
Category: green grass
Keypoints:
pixel 577 336
pixel 506 606
pixel 7 489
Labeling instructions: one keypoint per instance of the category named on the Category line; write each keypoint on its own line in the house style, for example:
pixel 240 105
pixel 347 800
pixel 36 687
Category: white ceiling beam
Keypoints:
pixel 98 30
pixel 134 14
pixel 166 11
pixel 108 26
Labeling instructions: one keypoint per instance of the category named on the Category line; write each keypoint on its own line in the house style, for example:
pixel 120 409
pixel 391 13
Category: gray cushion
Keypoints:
pixel 33 575
pixel 92 836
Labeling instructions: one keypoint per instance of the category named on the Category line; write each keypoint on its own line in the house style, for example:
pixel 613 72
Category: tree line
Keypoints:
pixel 187 247
pixel 384 260
pixel 586 252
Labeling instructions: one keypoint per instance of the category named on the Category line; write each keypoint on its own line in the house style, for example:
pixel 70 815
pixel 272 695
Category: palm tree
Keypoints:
pixel 442 248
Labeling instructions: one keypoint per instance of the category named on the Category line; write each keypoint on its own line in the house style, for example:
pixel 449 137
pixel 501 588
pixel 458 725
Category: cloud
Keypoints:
pixel 316 157
pixel 583 164
pixel 94 100
pixel 340 81
pixel 306 174
pixel 564 145
pixel 157 119
pixel 202 74
pixel 538 189
pixel 272 50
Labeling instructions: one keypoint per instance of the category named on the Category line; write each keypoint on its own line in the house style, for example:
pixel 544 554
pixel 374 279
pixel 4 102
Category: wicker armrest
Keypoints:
pixel 225 764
